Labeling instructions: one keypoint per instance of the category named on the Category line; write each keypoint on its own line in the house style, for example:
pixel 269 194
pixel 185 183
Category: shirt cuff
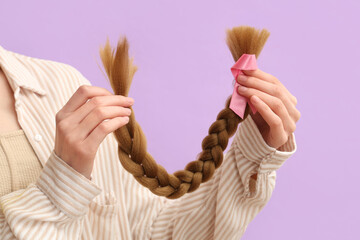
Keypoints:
pixel 254 148
pixel 70 191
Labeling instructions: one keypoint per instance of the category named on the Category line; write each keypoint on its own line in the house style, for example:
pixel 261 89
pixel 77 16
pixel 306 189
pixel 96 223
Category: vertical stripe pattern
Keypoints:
pixel 63 204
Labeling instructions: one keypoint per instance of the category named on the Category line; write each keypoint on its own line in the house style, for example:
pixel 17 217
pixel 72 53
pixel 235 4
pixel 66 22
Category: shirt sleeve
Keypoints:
pixel 53 207
pixel 223 207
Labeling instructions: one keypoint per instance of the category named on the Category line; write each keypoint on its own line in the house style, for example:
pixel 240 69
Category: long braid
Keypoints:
pixel 132 149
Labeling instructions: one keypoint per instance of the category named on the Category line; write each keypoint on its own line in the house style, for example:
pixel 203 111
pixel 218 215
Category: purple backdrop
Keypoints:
pixel 184 79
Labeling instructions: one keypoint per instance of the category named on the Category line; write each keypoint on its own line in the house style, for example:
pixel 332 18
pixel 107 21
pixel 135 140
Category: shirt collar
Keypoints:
pixel 17 73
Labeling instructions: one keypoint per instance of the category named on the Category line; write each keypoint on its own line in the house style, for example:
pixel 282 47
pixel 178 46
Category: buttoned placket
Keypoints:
pixel 36 137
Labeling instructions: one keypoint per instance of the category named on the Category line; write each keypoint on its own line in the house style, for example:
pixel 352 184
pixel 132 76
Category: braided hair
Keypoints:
pixel 132 149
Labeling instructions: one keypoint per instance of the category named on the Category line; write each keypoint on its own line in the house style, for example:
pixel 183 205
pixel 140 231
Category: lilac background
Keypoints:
pixel 182 57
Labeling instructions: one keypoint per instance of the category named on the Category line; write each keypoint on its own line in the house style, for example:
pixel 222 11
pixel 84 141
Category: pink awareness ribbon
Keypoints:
pixel 238 102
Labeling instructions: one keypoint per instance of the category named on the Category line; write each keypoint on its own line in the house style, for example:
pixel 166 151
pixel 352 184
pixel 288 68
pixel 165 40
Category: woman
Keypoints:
pixel 64 179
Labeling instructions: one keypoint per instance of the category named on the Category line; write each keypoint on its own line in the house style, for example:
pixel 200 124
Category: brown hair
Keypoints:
pixel 131 140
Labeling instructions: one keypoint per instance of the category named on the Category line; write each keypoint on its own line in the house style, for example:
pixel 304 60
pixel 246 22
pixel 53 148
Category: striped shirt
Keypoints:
pixel 63 204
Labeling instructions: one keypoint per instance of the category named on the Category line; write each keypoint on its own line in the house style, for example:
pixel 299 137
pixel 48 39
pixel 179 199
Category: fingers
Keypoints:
pixel 82 94
pixel 262 75
pixel 98 101
pixel 267 77
pixel 275 104
pixel 272 119
pixel 102 130
pixel 97 116
pixel 253 82
pixel 272 89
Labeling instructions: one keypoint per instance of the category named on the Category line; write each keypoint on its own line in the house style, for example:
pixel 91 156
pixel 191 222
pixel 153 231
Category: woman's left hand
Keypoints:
pixel 276 114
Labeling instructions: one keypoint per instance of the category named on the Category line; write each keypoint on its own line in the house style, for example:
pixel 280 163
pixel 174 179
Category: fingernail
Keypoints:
pixel 242 88
pixel 242 78
pixel 131 100
pixel 128 111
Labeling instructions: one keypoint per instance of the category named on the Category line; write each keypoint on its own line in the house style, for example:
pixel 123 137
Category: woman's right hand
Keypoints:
pixel 80 125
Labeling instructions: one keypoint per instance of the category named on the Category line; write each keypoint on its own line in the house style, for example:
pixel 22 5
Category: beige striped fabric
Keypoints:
pixel 63 204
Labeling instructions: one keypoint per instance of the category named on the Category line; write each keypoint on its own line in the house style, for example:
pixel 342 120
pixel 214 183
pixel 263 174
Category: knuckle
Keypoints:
pixel 298 115
pixel 277 122
pixel 83 90
pixel 284 138
pixel 104 127
pixel 62 126
pixel 277 105
pixel 292 127
pixel 277 91
pixel 295 100
pixel 97 101
pixel 99 112
pixel 58 117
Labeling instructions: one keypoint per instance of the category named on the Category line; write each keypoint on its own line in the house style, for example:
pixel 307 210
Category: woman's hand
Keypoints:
pixel 276 114
pixel 80 125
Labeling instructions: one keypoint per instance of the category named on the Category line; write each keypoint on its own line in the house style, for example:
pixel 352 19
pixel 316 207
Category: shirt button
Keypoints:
pixel 17 104
pixel 38 137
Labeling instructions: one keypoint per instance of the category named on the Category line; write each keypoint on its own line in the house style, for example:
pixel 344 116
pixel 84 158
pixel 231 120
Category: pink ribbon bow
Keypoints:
pixel 238 102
